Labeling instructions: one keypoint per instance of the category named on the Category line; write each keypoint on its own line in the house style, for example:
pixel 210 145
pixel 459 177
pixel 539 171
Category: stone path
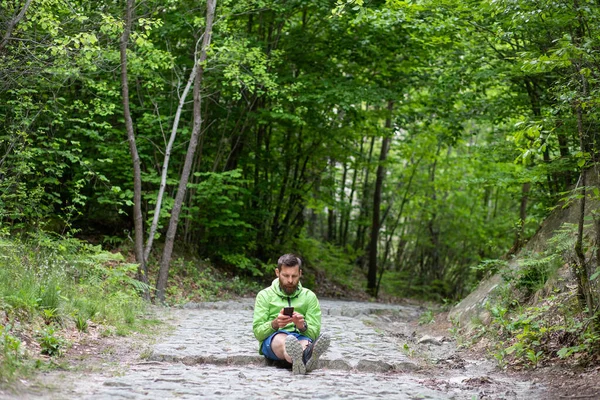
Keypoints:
pixel 201 359
pixel 355 346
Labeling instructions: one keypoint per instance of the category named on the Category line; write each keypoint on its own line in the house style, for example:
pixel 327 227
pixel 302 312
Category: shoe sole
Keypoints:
pixel 321 346
pixel 294 349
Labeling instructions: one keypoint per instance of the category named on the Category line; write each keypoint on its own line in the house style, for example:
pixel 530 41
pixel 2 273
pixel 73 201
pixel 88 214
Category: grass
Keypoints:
pixel 52 286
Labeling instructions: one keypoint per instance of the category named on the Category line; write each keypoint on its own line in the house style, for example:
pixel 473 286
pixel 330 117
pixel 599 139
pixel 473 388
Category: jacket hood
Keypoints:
pixel 277 289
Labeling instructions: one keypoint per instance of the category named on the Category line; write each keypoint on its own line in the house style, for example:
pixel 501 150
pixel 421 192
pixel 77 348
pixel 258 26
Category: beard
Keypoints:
pixel 289 289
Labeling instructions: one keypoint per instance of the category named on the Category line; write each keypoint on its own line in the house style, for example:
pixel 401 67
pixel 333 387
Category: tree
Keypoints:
pixel 163 272
pixel 376 223
pixel 137 174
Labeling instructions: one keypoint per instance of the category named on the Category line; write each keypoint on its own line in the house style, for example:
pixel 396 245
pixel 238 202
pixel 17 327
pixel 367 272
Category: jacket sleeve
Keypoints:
pixel 313 316
pixel 261 323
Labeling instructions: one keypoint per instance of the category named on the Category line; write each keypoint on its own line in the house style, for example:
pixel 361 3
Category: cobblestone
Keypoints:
pixel 200 338
pixel 204 358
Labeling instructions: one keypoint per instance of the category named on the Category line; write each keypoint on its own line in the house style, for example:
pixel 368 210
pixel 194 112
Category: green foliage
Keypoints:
pixel 427 317
pixel 49 315
pixel 323 256
pixel 49 298
pixel 48 283
pixel 50 343
pixel 243 263
pixel 219 202
pixel 487 100
pixel 585 341
pixel 195 280
pixel 10 353
pixel 534 270
pixel 81 323
pixel 490 267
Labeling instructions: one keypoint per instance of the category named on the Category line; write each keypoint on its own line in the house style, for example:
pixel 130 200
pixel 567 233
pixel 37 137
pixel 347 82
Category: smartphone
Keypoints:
pixel 288 311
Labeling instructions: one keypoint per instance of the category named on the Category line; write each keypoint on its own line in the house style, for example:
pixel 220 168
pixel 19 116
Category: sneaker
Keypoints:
pixel 294 349
pixel 315 350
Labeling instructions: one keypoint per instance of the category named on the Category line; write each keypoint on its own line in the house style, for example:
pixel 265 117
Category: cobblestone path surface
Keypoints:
pixel 203 358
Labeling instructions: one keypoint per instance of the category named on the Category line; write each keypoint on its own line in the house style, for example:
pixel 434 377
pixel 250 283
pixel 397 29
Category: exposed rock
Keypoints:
pixel 431 340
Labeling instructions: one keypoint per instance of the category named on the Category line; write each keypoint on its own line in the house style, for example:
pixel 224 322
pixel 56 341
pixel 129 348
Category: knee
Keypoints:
pixel 278 342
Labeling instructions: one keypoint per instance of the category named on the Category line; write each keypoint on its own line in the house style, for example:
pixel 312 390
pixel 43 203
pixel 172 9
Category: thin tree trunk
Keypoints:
pixel 276 223
pixel 388 243
pixel 597 229
pixel 163 273
pixel 343 205
pixel 165 167
pixel 348 209
pixel 376 223
pixel 331 218
pixel 518 243
pixel 138 221
pixel 363 214
pixel 582 267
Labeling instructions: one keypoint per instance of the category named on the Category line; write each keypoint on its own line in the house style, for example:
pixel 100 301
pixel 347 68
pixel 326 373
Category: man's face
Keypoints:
pixel 289 278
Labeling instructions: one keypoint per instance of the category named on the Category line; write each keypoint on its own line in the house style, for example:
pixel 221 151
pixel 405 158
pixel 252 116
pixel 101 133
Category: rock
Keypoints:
pixel 431 340
pixel 472 307
pixel 373 366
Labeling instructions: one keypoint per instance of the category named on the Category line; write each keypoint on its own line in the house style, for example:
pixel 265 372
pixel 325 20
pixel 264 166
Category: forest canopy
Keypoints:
pixel 411 141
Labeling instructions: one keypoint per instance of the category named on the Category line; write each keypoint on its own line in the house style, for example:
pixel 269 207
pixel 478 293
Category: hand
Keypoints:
pixel 282 320
pixel 298 320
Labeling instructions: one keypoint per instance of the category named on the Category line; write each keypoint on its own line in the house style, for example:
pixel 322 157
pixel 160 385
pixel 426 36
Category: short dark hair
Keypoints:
pixel 289 260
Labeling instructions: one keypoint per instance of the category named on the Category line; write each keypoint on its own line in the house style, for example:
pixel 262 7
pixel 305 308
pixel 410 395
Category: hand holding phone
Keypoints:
pixel 289 311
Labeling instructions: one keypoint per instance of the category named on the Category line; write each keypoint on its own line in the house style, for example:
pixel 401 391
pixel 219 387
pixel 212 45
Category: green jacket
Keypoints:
pixel 271 300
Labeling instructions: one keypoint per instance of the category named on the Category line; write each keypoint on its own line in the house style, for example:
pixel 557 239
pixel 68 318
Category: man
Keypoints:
pixel 293 338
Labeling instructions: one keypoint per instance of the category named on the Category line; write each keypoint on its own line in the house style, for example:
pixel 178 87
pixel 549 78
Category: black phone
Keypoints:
pixel 289 311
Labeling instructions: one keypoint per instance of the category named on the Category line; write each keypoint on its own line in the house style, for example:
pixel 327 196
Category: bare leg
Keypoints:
pixel 278 347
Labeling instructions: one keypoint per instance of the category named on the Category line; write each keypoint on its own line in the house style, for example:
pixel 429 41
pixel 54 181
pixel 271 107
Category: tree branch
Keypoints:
pixel 13 23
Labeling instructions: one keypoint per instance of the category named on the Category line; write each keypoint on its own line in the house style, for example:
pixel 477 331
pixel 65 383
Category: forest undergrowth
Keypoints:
pixel 537 317
pixel 55 291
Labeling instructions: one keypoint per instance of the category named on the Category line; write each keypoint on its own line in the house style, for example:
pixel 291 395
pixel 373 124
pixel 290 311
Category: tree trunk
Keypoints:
pixel 138 221
pixel 348 208
pixel 285 182
pixel 376 223
pixel 431 256
pixel 388 243
pixel 518 243
pixel 582 267
pixel 165 167
pixel 163 272
pixel 343 205
pixel 364 201
pixel 331 217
